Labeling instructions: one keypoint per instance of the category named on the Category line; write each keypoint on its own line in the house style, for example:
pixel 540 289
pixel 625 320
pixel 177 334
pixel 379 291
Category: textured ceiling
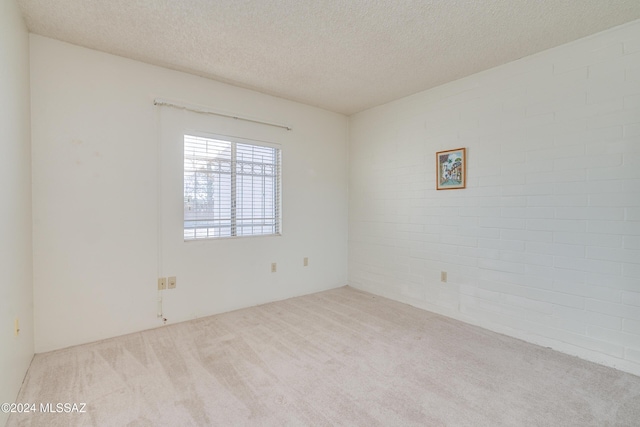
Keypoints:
pixel 342 55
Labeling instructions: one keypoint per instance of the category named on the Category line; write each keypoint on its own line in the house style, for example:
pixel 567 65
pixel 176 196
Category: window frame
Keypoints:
pixel 234 140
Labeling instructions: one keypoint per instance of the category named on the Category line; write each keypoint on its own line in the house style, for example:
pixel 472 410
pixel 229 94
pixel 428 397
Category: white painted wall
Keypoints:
pixel 15 206
pixel 544 244
pixel 97 222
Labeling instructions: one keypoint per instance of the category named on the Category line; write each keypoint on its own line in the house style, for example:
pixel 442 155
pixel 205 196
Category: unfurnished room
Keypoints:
pixel 316 213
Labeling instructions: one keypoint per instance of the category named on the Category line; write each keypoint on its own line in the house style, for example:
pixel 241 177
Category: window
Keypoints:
pixel 231 188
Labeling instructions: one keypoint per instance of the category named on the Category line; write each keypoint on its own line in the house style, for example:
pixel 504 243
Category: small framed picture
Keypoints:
pixel 451 169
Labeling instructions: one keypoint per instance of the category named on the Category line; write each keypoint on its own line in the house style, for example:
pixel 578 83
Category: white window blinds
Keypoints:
pixel 230 188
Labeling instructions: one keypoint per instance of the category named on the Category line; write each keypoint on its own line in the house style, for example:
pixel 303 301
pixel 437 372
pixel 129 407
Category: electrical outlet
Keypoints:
pixel 162 284
pixel 172 282
pixel 443 276
pixel 16 325
pixel 273 267
pixel 305 262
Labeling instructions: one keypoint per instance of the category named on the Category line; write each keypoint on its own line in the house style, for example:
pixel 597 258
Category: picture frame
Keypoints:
pixel 451 169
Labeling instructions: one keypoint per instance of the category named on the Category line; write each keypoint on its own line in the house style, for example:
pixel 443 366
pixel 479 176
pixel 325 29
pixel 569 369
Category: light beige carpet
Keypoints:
pixel 340 357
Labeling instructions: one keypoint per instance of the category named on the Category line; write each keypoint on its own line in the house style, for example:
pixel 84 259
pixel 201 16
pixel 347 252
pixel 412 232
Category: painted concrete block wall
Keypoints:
pixel 544 243
pixel 103 206
pixel 16 294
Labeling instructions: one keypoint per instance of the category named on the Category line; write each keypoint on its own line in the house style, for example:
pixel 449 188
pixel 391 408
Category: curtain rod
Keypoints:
pixel 204 110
